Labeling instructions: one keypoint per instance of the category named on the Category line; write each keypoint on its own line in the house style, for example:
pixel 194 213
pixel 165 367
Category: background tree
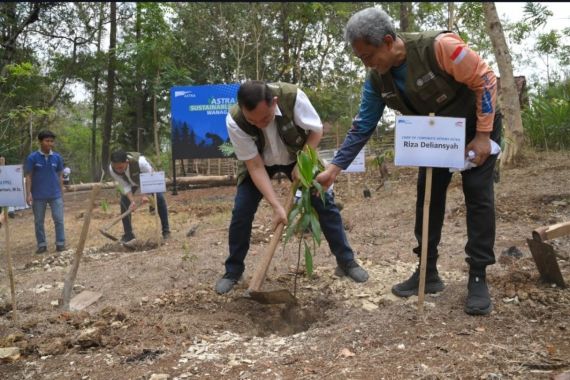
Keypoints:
pixel 106 141
pixel 510 99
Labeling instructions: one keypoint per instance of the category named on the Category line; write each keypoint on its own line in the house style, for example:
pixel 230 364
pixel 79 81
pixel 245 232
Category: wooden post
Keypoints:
pixel 425 232
pixel 9 257
pixel 157 220
pixel 70 277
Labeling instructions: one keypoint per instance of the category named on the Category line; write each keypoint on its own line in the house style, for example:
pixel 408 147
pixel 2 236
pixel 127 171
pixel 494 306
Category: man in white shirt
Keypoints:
pixel 270 123
pixel 125 168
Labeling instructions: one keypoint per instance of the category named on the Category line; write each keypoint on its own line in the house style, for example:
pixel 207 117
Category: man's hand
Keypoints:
pixel 295 172
pixel 327 178
pixel 29 199
pixel 133 206
pixel 144 199
pixel 481 145
pixel 279 216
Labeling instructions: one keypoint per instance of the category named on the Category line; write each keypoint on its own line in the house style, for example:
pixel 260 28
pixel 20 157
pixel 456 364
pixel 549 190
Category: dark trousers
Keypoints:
pixel 246 202
pixel 480 205
pixel 162 213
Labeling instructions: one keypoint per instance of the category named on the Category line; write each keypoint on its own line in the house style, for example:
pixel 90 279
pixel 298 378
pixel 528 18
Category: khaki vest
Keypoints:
pixel 428 87
pixel 293 136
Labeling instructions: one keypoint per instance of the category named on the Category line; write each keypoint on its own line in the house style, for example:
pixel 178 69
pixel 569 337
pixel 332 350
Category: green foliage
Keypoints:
pixel 104 205
pixel 536 14
pixel 227 149
pixel 547 121
pixel 303 215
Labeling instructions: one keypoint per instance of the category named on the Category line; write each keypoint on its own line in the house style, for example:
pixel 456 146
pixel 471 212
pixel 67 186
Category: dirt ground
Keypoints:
pixel 158 314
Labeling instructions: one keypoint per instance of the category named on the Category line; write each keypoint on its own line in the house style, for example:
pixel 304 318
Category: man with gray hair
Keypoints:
pixel 419 74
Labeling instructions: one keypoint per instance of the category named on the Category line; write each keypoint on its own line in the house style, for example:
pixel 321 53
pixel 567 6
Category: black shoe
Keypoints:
pixel 226 283
pixel 411 286
pixel 166 235
pixel 352 270
pixel 41 250
pixel 60 248
pixel 478 298
pixel 125 239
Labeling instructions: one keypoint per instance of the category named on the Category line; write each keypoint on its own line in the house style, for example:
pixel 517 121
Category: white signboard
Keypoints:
pixel 430 141
pixel 152 183
pixel 358 164
pixel 12 189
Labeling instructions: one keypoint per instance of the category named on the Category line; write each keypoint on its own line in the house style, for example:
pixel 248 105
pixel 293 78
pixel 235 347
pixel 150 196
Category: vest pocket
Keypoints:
pixel 435 93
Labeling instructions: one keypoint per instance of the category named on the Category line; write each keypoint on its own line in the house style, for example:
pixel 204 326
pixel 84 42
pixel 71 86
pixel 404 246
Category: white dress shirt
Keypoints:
pixel 275 152
pixel 125 186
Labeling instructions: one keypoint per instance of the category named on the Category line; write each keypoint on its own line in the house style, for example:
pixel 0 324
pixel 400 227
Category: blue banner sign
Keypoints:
pixel 199 119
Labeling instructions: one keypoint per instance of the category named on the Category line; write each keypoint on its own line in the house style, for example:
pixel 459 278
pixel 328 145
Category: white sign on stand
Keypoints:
pixel 12 189
pixel 152 183
pixel 358 164
pixel 430 141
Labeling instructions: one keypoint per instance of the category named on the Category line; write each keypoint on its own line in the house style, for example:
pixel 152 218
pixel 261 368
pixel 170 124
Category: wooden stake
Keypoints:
pixel 9 256
pixel 157 220
pixel 425 232
pixel 10 271
pixel 70 277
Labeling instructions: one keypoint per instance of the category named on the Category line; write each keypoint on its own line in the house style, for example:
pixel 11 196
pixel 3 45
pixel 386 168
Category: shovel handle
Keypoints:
pixel 117 219
pixel 551 232
pixel 261 270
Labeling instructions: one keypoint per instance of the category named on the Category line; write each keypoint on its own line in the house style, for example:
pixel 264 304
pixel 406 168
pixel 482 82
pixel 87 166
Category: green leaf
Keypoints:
pixel 315 227
pixel 308 260
pixel 320 190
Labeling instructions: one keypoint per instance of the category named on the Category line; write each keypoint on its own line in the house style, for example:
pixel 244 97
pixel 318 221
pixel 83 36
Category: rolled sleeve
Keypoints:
pixel 305 115
pixel 144 165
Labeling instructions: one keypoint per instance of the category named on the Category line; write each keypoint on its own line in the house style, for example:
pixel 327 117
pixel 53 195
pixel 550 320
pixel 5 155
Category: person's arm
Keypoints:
pixel 124 187
pixel 260 178
pixel 59 171
pixel 145 167
pixel 363 126
pixel 467 67
pixel 28 170
pixel 29 198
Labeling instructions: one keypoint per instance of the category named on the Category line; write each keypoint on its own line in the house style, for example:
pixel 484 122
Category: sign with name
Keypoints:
pixel 358 164
pixel 152 183
pixel 430 141
pixel 199 119
pixel 12 189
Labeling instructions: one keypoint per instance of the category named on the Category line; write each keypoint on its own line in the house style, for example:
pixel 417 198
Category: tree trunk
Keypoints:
pixel 199 180
pixel 106 141
pixel 138 81
pixel 155 122
pixel 513 129
pixel 450 15
pixel 94 172
pixel 405 17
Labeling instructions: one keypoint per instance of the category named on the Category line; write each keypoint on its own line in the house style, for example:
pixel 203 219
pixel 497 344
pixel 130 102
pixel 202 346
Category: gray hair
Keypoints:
pixel 369 25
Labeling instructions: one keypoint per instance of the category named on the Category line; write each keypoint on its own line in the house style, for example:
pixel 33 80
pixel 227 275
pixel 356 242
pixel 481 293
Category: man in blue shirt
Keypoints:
pixel 44 185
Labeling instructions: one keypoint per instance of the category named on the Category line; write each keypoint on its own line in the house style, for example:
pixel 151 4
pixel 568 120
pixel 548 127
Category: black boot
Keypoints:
pixel 411 286
pixel 478 298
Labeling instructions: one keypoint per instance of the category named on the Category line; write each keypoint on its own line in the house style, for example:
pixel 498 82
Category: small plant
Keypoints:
pixel 104 205
pixel 303 215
